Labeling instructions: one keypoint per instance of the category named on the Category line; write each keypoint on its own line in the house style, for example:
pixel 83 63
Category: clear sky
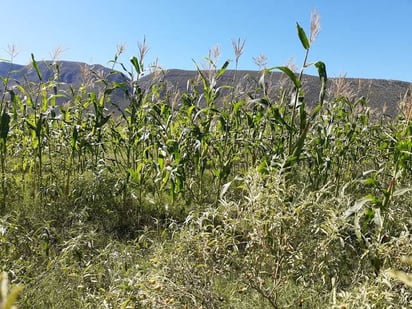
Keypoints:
pixel 359 38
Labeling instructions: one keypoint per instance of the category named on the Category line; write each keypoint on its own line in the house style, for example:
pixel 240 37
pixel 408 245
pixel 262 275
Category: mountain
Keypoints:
pixel 6 68
pixel 383 95
pixel 70 72
pixel 67 74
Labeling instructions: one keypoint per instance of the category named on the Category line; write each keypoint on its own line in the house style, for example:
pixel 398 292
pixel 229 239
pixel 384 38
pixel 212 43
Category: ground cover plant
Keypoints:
pixel 218 197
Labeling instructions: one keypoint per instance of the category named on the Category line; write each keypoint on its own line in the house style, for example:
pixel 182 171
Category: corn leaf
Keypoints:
pixel 291 75
pixel 302 36
pixel 136 65
pixel 222 69
pixel 36 67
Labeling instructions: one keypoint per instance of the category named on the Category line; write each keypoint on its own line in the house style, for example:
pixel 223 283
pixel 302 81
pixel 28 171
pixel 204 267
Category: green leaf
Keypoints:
pixel 4 126
pixel 279 118
pixel 298 147
pixel 125 304
pixel 302 36
pixel 291 75
pixel 263 167
pixel 31 124
pixel 222 69
pixel 316 111
pixel 36 67
pixel 203 78
pixel 290 161
pixel 323 79
pixel 302 112
pixel 370 181
pixel 237 106
pixel 321 66
pixel 136 65
pixel 102 121
pixel 75 137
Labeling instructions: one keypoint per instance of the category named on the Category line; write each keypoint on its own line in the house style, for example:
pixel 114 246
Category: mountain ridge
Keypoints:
pixel 380 92
pixel 384 95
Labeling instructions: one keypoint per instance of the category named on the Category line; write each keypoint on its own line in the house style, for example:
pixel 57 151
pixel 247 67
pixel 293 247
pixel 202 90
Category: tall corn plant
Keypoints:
pixel 216 123
pixel 131 134
pixel 37 111
pixel 339 138
pixel 71 128
pixel 300 120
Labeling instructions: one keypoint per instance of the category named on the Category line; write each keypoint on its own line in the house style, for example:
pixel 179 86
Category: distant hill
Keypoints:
pixel 380 92
pixel 383 95
pixel 70 72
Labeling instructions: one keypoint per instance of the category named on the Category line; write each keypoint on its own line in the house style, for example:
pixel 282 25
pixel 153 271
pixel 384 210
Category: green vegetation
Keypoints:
pixel 180 201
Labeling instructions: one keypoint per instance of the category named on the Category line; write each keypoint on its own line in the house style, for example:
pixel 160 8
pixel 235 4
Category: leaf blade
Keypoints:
pixel 36 68
pixel 291 75
pixel 303 37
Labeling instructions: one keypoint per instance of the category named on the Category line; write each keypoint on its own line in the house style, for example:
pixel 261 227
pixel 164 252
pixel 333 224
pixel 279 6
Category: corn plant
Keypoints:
pixel 300 121
pixel 37 111
pixel 133 149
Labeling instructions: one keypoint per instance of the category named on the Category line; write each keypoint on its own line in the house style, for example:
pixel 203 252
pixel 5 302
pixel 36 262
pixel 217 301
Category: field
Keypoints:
pixel 209 198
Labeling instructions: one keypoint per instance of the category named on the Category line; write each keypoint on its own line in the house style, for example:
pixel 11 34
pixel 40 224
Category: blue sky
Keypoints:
pixel 359 38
